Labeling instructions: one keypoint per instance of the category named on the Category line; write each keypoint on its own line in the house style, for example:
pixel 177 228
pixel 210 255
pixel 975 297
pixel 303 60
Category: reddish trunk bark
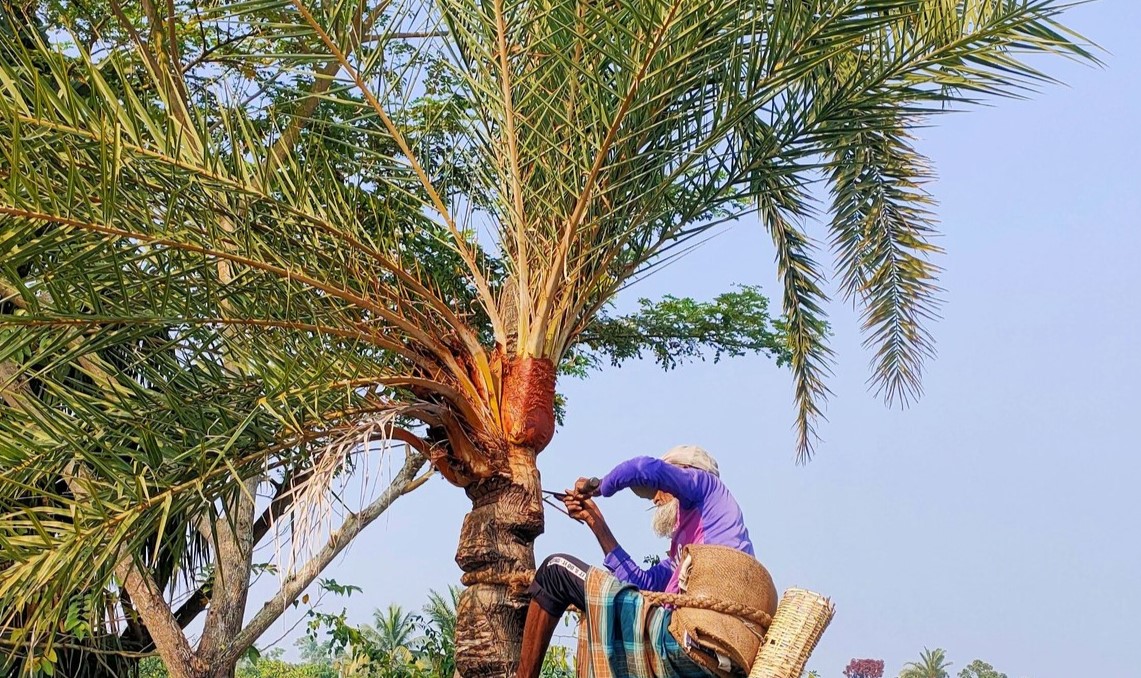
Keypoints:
pixel 529 403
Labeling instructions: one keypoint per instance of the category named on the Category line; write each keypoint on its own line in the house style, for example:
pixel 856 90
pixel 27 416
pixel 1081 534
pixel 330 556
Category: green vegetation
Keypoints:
pixel 246 245
pixel 398 644
pixel 931 664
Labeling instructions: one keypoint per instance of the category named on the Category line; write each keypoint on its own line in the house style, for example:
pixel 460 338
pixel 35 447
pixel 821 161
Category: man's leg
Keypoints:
pixel 559 582
pixel 537 632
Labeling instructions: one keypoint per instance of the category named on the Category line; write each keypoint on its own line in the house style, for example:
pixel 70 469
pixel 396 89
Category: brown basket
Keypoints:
pixel 727 602
pixel 799 622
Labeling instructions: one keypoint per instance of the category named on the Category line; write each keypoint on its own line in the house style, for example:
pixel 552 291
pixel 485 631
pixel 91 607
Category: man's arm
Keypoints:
pixel 584 510
pixel 621 565
pixel 619 562
pixel 656 474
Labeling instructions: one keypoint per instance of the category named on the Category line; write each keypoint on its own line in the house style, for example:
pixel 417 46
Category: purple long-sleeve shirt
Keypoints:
pixel 707 514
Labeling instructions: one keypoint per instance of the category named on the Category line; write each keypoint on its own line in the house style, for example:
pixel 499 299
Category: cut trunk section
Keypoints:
pixel 529 403
pixel 497 554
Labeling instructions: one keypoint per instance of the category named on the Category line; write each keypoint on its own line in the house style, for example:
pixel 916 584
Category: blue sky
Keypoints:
pixel 998 517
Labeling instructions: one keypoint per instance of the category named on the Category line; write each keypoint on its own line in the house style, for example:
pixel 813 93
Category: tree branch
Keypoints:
pixel 200 599
pixel 148 603
pixel 210 51
pixel 323 77
pixel 282 500
pixel 408 36
pixel 298 581
pixel 234 546
pixel 155 613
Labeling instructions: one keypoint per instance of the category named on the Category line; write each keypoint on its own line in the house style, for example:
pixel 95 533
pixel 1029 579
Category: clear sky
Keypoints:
pixel 998 517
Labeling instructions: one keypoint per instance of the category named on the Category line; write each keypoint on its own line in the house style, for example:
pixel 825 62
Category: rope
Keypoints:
pixel 738 610
pixel 519 581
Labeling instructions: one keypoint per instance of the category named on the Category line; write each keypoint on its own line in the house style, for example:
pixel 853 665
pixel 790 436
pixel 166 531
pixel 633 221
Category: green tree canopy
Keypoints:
pixel 980 669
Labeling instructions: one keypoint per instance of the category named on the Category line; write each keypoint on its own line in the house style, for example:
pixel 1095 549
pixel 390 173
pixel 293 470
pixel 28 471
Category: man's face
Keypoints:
pixel 665 514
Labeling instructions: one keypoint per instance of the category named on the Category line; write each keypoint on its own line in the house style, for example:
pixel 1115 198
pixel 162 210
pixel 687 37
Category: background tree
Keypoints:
pixel 164 238
pixel 440 631
pixel 980 669
pixel 393 629
pixel 931 664
pixel 336 649
pixel 864 668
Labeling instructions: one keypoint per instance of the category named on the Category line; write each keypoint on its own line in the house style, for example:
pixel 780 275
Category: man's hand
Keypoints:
pixel 586 487
pixel 583 509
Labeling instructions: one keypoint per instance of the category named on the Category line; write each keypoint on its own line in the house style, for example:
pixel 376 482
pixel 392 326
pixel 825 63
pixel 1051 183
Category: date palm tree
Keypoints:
pixel 196 307
pixel 931 664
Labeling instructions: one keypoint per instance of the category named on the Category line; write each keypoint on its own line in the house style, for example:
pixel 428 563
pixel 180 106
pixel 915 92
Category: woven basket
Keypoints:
pixel 735 579
pixel 799 622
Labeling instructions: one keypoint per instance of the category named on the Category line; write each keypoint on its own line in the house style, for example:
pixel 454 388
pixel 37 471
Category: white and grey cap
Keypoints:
pixel 693 457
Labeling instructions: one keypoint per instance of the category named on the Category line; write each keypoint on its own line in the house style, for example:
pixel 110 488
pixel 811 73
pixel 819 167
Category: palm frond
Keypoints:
pixel 882 236
pixel 640 127
pixel 781 205
pixel 184 314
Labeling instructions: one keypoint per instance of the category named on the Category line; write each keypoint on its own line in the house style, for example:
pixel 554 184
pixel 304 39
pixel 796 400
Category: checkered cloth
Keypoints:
pixel 621 636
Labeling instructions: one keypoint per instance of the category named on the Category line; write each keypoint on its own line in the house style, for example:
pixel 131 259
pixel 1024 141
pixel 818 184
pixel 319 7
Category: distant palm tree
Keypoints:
pixel 394 631
pixel 441 610
pixel 931 664
pixel 439 646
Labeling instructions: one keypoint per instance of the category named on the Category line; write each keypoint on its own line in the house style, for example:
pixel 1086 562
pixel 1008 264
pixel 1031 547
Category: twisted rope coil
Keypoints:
pixel 745 612
pixel 516 581
pixel 519 581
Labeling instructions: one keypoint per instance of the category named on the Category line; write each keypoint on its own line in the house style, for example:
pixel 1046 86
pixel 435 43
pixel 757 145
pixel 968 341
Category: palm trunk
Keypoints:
pixel 497 554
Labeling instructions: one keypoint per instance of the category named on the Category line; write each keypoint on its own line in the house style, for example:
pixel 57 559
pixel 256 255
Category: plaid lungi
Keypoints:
pixel 622 636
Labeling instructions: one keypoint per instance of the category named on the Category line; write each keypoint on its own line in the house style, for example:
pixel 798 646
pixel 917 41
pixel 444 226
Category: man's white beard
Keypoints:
pixel 665 519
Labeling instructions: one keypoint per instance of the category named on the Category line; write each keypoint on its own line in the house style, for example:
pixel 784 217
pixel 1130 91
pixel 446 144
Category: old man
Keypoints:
pixel 692 505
